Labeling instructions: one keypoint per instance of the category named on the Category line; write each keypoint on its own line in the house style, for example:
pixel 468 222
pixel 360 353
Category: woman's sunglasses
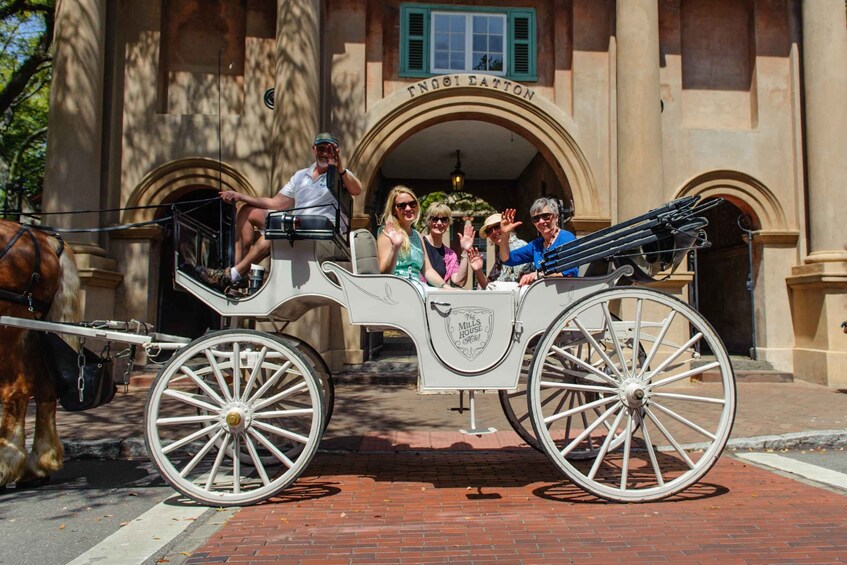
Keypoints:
pixel 439 220
pixel 403 205
pixel 546 217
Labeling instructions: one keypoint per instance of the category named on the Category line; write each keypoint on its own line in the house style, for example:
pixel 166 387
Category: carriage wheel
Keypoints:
pixel 516 407
pixel 324 374
pixel 672 431
pixel 256 395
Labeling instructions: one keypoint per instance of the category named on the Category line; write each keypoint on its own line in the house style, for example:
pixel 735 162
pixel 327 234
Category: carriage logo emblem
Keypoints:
pixel 469 329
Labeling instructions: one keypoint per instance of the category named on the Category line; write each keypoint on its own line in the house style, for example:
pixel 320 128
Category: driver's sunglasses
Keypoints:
pixel 403 205
pixel 439 220
pixel 545 217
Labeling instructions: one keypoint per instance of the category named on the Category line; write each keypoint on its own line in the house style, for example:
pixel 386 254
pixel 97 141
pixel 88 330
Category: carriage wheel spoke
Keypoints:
pixel 236 369
pixel 627 446
pixel 591 369
pixel 687 374
pixel 201 454
pixel 598 349
pixel 666 325
pixel 587 431
pixel 257 462
pixel 636 336
pixel 578 409
pixel 684 421
pixel 270 382
pixel 651 452
pixel 283 458
pixel 300 387
pixel 575 386
pixel 219 376
pixel 204 386
pixel 190 399
pixel 175 420
pixel 213 474
pixel 605 447
pixel 254 374
pixel 188 439
pixel 613 336
pixel 675 396
pixel 236 465
pixel 280 432
pixel 284 413
pixel 682 349
pixel 670 438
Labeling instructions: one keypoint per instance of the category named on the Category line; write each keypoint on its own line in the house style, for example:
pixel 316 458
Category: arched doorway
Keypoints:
pixel 722 276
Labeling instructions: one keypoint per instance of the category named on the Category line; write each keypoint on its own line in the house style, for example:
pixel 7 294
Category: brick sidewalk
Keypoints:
pixel 435 507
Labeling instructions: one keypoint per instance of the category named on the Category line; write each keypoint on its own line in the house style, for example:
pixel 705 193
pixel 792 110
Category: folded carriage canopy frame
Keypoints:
pixel 658 225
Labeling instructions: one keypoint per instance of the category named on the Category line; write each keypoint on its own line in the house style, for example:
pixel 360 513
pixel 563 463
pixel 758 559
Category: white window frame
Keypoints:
pixel 469 42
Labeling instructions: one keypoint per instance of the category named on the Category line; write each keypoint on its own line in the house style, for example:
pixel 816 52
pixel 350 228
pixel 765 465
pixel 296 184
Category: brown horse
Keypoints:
pixel 38 279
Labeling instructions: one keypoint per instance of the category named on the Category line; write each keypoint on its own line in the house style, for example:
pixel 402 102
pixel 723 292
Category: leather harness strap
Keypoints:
pixel 26 298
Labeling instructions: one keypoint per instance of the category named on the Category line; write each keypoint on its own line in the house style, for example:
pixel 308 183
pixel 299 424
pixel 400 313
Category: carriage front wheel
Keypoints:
pixel 673 425
pixel 234 417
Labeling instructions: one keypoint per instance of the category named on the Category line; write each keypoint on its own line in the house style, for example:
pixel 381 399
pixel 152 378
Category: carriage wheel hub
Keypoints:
pixel 236 418
pixel 633 394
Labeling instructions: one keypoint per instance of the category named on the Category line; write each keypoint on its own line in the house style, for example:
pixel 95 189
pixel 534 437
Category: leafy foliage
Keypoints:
pixel 26 35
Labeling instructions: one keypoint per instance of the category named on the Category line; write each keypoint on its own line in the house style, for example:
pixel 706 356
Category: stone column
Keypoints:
pixel 72 170
pixel 72 176
pixel 825 77
pixel 639 125
pixel 819 286
pixel 297 91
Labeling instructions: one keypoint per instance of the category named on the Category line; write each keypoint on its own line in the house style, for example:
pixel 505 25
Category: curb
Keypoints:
pixel 134 447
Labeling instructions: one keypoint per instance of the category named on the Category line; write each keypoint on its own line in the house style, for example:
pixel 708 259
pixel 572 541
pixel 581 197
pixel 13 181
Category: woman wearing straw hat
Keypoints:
pixel 499 273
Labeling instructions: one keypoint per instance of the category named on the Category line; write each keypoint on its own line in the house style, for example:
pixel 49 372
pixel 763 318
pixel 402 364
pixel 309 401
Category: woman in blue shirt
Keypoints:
pixel 545 217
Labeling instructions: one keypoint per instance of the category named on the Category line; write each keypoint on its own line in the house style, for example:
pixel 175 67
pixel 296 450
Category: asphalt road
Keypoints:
pixel 85 503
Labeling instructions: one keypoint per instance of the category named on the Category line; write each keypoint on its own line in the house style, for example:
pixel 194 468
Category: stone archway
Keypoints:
pixel 172 180
pixel 419 106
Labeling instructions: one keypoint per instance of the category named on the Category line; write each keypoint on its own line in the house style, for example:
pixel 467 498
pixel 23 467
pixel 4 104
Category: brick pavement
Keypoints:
pixel 508 505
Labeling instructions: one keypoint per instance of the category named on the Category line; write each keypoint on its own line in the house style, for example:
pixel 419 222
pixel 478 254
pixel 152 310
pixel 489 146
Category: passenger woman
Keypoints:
pixel 442 258
pixel 545 217
pixel 399 246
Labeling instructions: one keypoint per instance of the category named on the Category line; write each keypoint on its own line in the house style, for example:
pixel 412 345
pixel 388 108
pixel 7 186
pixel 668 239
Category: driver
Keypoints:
pixel 306 189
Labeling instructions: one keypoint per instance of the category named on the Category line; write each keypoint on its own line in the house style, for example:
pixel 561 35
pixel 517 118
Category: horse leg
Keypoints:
pixel 15 396
pixel 47 452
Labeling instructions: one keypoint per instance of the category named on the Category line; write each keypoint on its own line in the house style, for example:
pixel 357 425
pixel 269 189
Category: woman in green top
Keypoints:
pixel 399 245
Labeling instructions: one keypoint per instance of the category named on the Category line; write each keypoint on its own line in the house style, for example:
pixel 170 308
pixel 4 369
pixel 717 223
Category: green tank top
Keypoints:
pixel 409 264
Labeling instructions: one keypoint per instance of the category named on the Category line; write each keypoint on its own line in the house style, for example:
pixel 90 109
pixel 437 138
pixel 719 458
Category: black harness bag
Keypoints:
pixel 78 390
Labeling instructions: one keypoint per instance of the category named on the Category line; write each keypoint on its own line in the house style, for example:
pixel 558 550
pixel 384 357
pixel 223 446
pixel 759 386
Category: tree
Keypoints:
pixel 26 37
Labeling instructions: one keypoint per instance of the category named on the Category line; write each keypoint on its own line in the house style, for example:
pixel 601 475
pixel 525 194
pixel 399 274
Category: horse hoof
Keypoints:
pixel 32 482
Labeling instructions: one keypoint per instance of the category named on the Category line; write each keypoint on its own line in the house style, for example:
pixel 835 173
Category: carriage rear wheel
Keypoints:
pixel 230 394
pixel 516 406
pixel 672 430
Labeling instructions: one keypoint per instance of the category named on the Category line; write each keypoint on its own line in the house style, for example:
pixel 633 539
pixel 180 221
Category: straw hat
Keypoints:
pixel 490 222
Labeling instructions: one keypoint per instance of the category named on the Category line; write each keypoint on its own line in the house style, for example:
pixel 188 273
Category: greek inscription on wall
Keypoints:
pixel 478 81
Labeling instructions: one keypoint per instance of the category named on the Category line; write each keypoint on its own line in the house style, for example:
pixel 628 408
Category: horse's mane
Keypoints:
pixel 66 303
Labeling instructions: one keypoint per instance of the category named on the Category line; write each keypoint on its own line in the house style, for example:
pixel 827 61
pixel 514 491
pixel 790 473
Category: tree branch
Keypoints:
pixel 17 83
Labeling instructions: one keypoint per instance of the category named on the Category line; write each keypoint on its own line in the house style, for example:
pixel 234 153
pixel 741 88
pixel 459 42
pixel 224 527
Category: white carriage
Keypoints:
pixel 593 374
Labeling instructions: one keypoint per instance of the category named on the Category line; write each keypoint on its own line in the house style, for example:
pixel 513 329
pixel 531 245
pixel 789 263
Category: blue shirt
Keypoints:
pixel 534 251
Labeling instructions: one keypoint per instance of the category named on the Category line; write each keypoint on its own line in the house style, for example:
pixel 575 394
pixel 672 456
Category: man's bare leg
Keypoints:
pixel 247 218
pixel 260 250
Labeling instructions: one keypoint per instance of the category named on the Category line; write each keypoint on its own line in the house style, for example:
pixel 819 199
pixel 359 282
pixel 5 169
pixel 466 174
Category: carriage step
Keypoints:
pixel 748 376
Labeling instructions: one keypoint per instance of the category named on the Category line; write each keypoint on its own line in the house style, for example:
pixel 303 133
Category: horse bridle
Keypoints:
pixel 26 298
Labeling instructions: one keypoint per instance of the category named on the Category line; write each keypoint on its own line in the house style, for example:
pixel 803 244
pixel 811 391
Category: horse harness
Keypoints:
pixel 26 298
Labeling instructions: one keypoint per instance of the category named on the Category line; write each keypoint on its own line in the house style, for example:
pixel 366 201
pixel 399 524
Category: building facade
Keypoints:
pixel 618 106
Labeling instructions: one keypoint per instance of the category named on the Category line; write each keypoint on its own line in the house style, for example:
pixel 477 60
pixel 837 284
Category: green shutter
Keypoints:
pixel 522 45
pixel 414 41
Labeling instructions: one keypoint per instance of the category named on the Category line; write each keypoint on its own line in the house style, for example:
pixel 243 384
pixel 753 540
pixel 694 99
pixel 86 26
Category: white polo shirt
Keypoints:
pixel 311 196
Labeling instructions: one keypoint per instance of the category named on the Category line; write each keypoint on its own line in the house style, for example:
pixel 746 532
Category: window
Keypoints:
pixel 483 40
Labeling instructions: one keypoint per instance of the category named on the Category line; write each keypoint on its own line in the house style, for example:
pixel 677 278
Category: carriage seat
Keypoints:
pixel 363 253
pixel 284 225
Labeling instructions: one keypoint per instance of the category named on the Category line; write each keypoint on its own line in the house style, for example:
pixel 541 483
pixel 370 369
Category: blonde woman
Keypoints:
pixel 399 246
pixel 442 258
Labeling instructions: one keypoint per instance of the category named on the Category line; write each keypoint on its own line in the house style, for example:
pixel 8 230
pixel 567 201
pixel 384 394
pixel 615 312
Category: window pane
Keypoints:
pixel 479 25
pixel 457 61
pixel 495 26
pixel 442 41
pixel 457 24
pixel 441 59
pixel 457 42
pixel 441 23
pixel 495 44
pixel 480 61
pixel 495 64
pixel 480 42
